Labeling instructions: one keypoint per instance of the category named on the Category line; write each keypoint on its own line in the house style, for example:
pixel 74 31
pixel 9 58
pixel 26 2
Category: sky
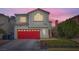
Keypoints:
pixel 60 14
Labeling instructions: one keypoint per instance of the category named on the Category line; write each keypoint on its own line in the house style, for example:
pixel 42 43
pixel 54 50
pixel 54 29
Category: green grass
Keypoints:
pixel 63 49
pixel 61 43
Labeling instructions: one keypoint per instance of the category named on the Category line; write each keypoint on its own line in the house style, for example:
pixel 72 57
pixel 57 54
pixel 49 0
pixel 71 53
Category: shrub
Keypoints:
pixel 68 29
pixel 2 31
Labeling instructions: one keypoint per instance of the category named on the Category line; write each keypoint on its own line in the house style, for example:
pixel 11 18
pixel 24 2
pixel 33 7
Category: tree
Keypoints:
pixel 68 29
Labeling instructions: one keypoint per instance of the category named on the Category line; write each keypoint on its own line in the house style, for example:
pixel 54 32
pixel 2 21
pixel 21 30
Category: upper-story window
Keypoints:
pixel 38 17
pixel 23 19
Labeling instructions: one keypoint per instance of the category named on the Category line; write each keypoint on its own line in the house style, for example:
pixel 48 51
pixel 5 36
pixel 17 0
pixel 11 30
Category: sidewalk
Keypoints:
pixel 50 39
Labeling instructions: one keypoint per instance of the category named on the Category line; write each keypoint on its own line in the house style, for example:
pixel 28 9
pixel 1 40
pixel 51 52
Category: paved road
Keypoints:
pixel 21 45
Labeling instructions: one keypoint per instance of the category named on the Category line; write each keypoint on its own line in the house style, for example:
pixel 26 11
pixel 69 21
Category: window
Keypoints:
pixel 38 17
pixel 23 20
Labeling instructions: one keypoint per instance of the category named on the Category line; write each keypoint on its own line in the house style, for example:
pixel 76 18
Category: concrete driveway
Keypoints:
pixel 21 45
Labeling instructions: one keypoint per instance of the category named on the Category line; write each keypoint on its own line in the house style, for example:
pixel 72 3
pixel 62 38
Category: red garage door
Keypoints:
pixel 28 34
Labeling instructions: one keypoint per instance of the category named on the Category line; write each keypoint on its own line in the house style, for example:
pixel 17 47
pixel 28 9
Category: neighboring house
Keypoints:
pixel 33 25
pixel 12 24
pixel 4 28
pixel 75 19
pixel 4 23
pixel 7 25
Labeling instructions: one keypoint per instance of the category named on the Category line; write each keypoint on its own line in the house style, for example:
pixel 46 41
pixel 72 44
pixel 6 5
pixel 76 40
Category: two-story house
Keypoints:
pixel 33 25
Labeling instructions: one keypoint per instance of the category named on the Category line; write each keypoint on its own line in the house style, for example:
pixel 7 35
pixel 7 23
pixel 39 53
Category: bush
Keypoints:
pixel 2 31
pixel 68 29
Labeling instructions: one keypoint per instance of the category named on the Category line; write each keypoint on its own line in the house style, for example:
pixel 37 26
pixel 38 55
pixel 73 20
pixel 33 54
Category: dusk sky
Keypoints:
pixel 60 14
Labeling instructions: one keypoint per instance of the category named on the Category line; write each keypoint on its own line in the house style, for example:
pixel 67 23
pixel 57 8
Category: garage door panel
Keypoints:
pixel 32 34
pixel 21 35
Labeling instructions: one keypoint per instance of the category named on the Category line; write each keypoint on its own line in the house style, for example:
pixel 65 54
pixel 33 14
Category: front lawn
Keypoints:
pixel 63 49
pixel 60 43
